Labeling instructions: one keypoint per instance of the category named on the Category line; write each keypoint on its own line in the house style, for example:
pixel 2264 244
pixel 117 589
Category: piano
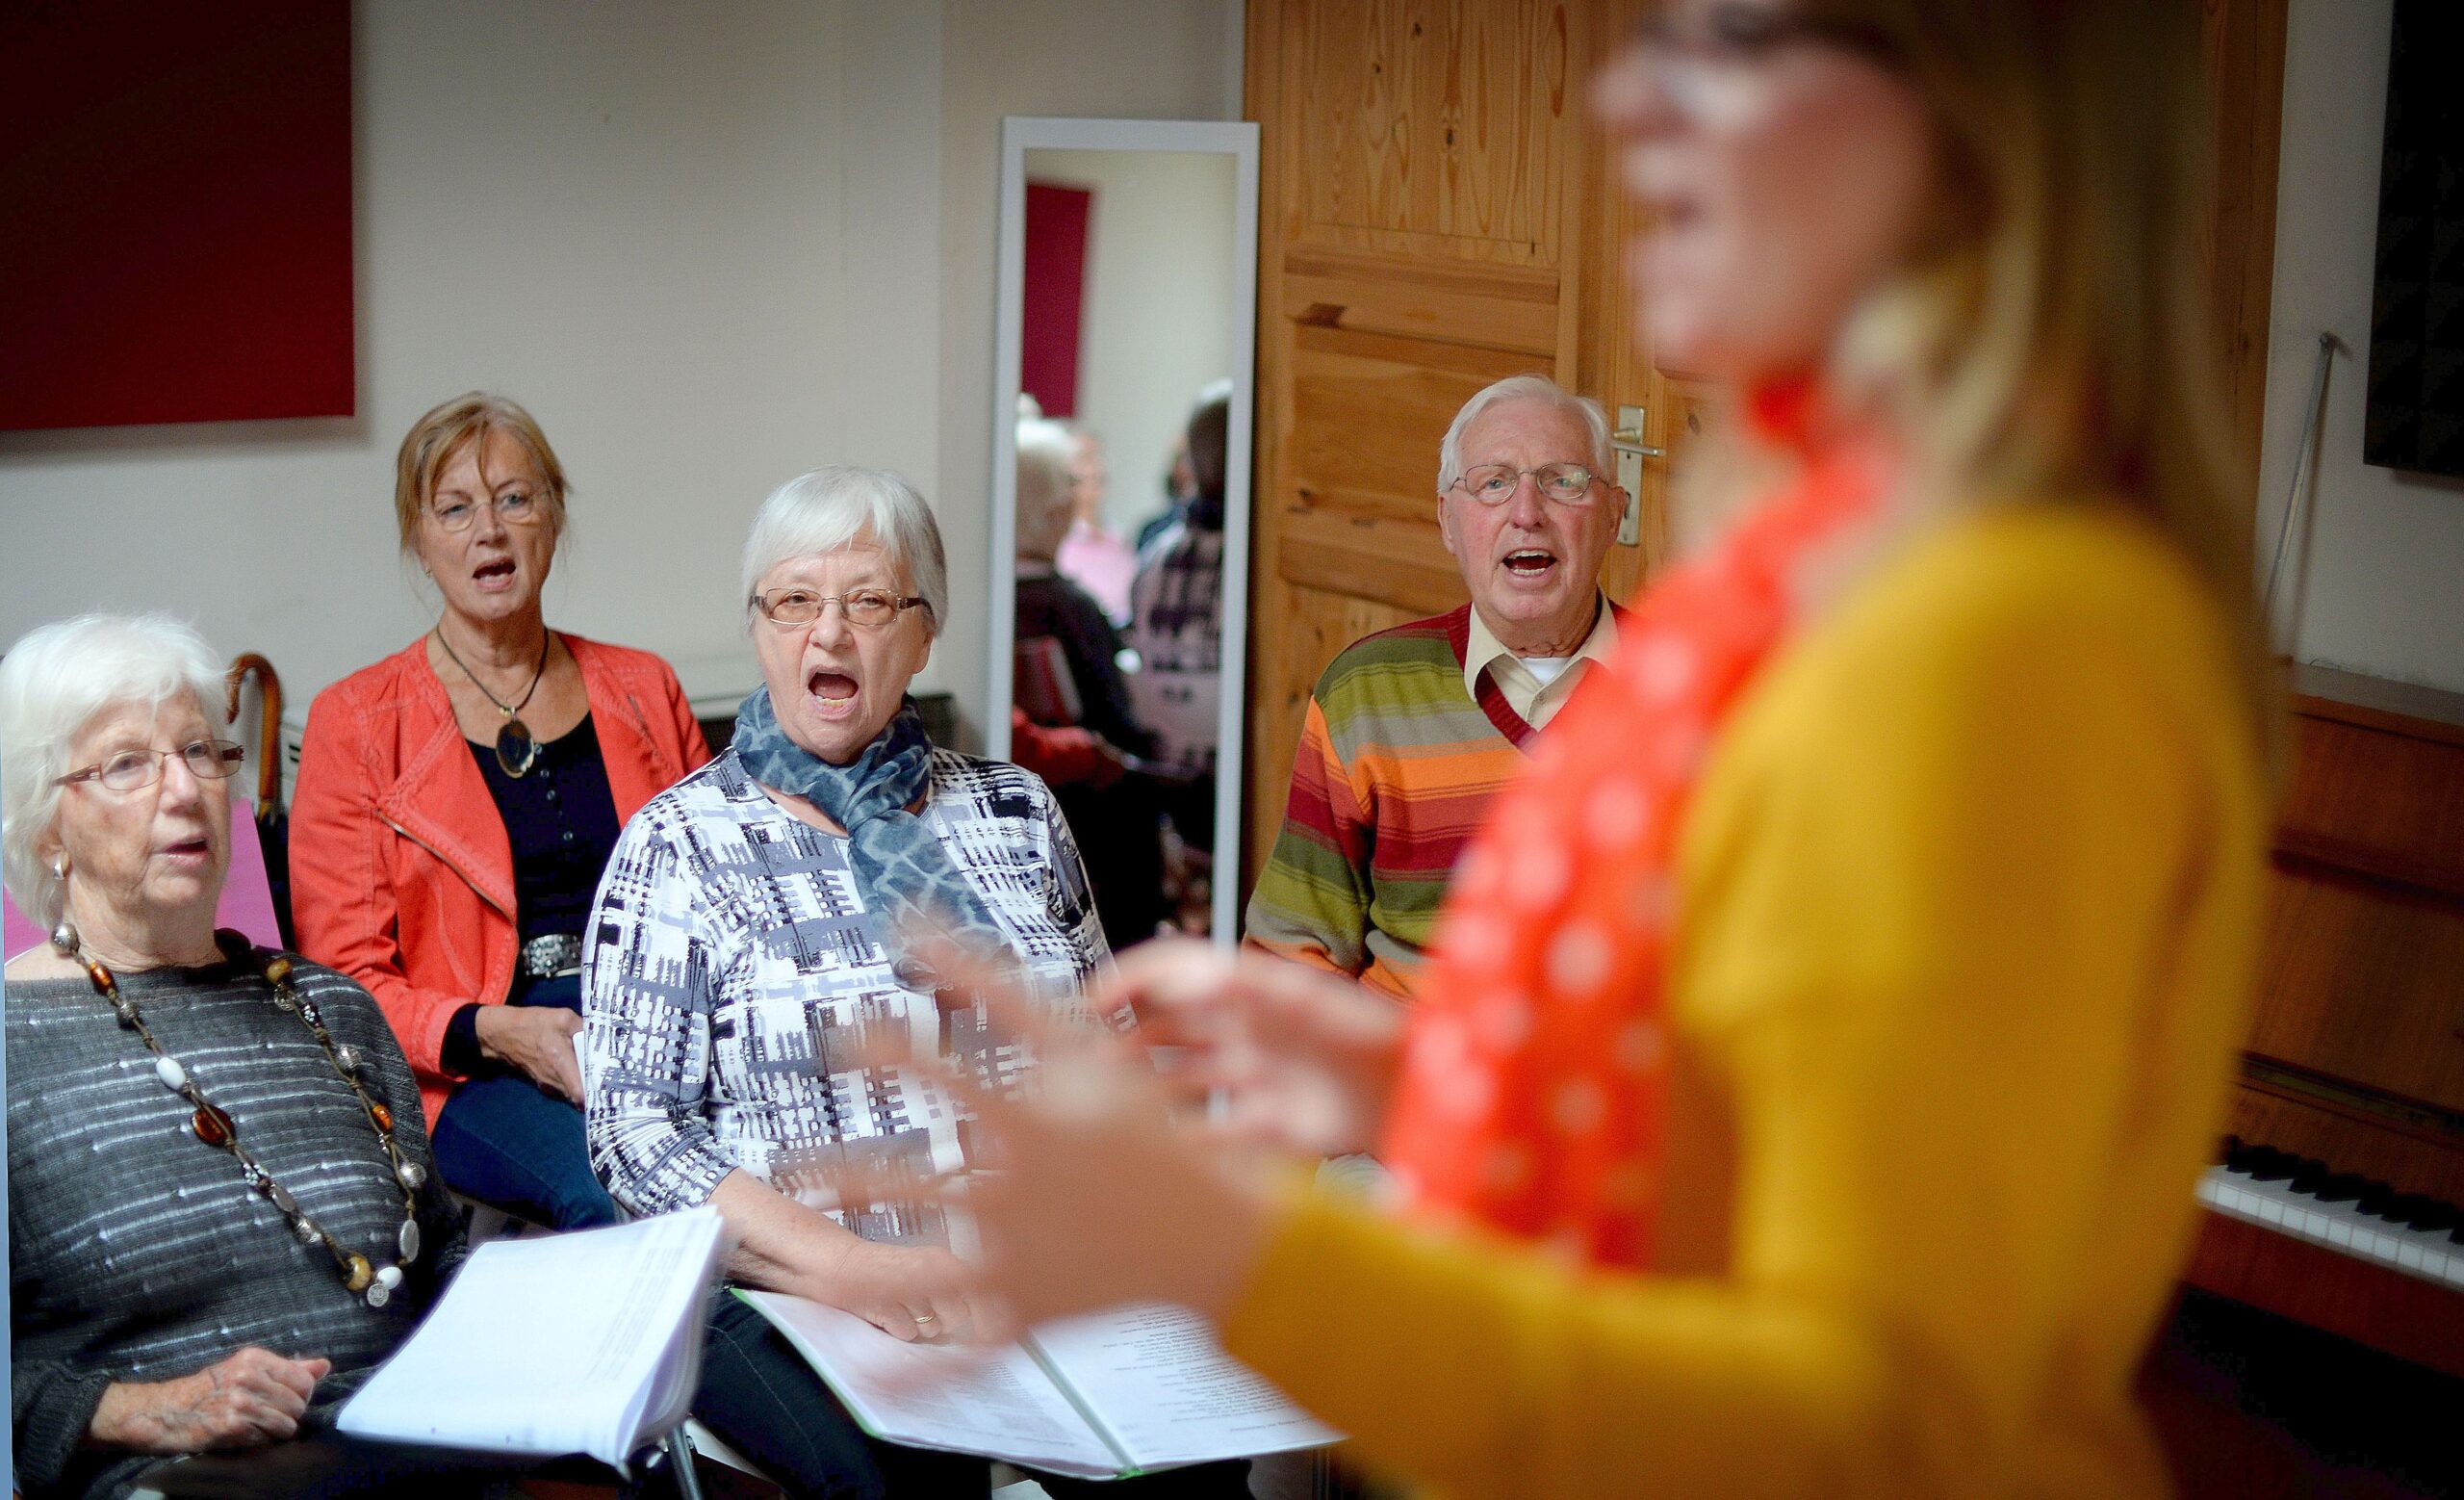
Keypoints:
pixel 2339 1203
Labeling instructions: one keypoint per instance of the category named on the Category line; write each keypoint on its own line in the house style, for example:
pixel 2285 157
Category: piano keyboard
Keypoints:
pixel 2430 1254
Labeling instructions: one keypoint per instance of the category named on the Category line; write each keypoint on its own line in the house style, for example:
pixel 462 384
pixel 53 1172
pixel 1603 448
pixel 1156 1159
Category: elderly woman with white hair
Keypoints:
pixel 747 953
pixel 222 1209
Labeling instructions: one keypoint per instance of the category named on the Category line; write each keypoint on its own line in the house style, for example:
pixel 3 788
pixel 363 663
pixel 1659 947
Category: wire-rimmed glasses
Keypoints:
pixel 1495 483
pixel 127 770
pixel 514 507
pixel 869 609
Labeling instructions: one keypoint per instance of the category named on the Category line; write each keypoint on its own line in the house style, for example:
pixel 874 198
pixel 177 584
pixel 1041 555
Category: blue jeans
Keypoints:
pixel 508 1142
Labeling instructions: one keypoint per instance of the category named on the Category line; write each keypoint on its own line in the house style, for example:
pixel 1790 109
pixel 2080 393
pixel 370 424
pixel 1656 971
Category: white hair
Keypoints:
pixel 52 684
pixel 1526 388
pixel 826 510
pixel 1047 490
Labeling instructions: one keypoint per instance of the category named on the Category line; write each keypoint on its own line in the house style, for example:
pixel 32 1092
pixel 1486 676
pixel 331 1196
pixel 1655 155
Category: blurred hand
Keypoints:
pixel 253 1397
pixel 1306 1060
pixel 1099 1197
pixel 538 1040
pixel 1096 1193
pixel 913 1293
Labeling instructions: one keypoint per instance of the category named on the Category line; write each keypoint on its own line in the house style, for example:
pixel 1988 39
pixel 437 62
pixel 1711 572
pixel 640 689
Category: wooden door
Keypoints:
pixel 1434 216
pixel 1436 210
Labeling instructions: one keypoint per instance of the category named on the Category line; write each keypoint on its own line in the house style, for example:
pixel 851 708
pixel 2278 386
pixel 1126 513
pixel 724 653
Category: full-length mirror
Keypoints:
pixel 1128 277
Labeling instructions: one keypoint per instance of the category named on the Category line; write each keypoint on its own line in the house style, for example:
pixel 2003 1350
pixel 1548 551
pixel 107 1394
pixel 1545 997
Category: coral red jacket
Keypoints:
pixel 402 874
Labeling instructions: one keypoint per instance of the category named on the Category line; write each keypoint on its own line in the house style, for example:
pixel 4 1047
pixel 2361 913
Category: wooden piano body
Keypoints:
pixel 2356 1057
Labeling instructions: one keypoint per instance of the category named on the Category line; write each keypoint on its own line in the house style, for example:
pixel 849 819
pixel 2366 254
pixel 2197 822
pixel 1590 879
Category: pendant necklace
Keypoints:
pixel 516 750
pixel 211 1124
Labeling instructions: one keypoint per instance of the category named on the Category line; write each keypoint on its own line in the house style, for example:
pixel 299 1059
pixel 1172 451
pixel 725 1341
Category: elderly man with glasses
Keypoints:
pixel 1411 729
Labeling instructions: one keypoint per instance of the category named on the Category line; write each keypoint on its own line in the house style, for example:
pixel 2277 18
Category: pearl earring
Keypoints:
pixel 64 934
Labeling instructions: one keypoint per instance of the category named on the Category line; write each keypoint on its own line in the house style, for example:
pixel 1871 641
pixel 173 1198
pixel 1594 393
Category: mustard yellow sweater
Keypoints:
pixel 1971 896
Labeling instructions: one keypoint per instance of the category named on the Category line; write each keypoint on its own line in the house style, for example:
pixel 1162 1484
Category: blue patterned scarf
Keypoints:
pixel 906 879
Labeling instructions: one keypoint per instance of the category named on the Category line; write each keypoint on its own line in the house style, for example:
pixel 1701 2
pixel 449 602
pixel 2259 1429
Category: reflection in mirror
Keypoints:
pixel 1127 299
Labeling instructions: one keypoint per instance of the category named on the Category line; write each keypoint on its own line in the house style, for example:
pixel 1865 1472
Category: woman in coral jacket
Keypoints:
pixel 458 800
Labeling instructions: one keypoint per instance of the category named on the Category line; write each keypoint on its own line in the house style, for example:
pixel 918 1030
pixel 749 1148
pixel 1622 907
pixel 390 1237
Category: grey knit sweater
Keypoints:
pixel 137 1253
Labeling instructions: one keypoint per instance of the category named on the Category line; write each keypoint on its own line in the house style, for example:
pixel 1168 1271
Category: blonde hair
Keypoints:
pixel 464 422
pixel 2053 337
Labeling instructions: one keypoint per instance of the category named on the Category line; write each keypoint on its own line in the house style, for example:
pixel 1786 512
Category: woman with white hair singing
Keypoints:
pixel 746 953
pixel 222 1204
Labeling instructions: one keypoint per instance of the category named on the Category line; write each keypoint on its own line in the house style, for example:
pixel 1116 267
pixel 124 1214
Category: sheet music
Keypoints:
pixel 966 1399
pixel 1154 1376
pixel 563 1343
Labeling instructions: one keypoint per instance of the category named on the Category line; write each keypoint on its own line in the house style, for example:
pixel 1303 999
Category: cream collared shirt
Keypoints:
pixel 1524 691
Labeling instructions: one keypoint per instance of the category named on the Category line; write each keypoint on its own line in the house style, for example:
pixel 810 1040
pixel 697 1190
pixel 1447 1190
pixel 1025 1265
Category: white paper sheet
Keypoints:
pixel 1167 1392
pixel 553 1344
pixel 996 1402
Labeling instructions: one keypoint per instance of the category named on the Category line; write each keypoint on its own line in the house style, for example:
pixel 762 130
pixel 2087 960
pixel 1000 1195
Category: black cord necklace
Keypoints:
pixel 516 750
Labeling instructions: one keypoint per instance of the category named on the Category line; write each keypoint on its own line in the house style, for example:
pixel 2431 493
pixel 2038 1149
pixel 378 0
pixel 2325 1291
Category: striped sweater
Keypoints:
pixel 1396 767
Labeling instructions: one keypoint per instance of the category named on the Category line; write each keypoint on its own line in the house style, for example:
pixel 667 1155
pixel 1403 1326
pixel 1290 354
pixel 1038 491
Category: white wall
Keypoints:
pixel 1158 286
pixel 710 247
pixel 665 230
pixel 2385 590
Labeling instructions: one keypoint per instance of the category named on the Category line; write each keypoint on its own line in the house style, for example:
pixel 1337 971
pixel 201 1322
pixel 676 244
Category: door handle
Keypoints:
pixel 1626 440
pixel 1630 439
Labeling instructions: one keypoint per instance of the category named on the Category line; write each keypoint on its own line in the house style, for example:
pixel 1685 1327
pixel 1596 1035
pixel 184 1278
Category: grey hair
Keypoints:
pixel 1045 487
pixel 826 510
pixel 1526 388
pixel 52 684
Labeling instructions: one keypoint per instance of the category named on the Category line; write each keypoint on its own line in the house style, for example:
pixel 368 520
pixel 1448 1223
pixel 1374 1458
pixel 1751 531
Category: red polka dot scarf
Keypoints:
pixel 1534 1071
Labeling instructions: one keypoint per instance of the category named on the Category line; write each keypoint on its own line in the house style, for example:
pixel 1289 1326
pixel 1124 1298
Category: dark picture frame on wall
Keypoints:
pixel 178 237
pixel 2414 413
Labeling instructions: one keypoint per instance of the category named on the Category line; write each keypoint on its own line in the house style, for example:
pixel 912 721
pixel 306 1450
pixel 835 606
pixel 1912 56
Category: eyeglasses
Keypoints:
pixel 869 609
pixel 1737 35
pixel 1495 483
pixel 514 507
pixel 126 770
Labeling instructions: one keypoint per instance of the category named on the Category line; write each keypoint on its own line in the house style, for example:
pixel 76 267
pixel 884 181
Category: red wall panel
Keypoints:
pixel 175 212
pixel 1054 282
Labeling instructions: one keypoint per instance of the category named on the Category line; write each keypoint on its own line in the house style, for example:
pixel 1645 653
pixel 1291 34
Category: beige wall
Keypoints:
pixel 2385 592
pixel 710 247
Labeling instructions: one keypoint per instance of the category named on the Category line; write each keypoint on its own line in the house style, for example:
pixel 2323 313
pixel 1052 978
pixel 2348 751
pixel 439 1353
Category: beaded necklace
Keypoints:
pixel 212 1125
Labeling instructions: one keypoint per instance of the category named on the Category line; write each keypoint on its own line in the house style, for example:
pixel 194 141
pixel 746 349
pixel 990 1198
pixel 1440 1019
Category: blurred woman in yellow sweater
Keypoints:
pixel 1826 1032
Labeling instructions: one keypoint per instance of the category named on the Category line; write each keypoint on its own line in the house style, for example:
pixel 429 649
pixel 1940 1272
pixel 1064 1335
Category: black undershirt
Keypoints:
pixel 560 817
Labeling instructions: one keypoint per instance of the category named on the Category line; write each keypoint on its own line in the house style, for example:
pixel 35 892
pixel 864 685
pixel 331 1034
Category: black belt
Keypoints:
pixel 549 956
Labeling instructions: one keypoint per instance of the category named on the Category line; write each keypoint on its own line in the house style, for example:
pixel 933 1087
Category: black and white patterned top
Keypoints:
pixel 138 1253
pixel 1177 628
pixel 733 981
